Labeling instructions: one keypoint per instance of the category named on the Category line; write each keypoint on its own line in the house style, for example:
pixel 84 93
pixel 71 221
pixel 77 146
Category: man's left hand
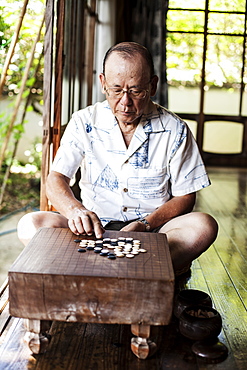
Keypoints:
pixel 134 226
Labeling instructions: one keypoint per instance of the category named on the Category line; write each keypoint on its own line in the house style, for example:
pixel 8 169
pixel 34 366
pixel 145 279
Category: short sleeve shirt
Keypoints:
pixel 120 183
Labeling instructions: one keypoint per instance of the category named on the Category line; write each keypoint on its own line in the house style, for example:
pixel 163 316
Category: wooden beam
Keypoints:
pixel 90 39
pixel 48 60
pixel 58 76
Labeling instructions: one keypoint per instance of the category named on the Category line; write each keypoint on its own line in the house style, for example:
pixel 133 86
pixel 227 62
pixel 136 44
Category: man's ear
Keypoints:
pixel 154 83
pixel 102 82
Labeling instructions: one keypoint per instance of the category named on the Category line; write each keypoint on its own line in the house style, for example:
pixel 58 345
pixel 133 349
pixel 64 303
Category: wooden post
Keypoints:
pixel 90 50
pixel 48 50
pixel 58 76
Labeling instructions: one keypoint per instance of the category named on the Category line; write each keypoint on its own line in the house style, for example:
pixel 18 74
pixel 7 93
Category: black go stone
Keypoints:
pixel 103 254
pixel 97 250
pixel 81 250
pixel 111 256
pixel 121 239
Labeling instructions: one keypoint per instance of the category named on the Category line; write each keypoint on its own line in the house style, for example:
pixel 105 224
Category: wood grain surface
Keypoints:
pixel 51 280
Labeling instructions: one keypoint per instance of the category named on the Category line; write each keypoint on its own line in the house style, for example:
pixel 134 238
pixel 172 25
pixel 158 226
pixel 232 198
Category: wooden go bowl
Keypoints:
pixel 190 297
pixel 200 323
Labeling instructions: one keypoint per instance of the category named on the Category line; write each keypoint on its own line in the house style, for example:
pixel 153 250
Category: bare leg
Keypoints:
pixel 189 236
pixel 31 222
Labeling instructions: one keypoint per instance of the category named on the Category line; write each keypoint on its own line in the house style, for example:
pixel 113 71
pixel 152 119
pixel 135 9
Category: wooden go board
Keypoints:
pixel 51 280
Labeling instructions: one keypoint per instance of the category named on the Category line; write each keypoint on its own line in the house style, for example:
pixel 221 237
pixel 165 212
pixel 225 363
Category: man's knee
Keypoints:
pixel 31 222
pixel 27 227
pixel 189 236
pixel 202 229
pixel 207 226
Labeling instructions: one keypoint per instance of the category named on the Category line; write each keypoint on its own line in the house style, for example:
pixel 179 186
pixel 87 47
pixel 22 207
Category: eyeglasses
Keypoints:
pixel 117 93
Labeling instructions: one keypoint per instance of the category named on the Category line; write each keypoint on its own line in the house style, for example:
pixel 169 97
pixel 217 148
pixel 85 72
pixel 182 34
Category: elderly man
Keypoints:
pixel 140 166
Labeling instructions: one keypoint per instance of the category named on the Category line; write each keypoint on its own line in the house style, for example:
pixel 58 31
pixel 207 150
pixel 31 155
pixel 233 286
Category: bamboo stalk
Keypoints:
pixel 12 47
pixel 19 96
pixel 7 172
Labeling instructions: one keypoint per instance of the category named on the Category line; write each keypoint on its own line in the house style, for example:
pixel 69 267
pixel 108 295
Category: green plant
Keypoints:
pixel 33 16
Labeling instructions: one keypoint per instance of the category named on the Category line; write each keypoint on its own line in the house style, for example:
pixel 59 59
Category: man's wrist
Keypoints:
pixel 145 223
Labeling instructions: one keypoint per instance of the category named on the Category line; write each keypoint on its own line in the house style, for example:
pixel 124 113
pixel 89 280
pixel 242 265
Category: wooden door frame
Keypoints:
pixel 74 50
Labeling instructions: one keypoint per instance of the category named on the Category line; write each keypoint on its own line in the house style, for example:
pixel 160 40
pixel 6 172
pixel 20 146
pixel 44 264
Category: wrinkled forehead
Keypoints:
pixel 127 67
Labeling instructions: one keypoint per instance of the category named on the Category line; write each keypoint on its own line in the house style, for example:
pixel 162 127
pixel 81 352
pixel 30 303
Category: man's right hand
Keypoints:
pixel 85 222
pixel 80 220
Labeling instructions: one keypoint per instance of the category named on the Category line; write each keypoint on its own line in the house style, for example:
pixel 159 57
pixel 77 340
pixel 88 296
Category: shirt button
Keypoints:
pixel 125 190
pixel 125 209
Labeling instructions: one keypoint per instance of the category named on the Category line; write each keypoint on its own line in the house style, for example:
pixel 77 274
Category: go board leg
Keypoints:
pixel 141 345
pixel 36 336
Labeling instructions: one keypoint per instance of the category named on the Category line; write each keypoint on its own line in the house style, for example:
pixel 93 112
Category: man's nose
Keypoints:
pixel 126 98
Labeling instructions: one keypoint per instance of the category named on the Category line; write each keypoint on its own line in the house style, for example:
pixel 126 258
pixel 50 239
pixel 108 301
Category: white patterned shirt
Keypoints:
pixel 120 183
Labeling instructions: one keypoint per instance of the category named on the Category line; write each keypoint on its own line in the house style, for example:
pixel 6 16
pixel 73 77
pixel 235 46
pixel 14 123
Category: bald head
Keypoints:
pixel 129 50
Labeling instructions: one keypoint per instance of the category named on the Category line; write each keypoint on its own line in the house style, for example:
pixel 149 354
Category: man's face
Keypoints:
pixel 130 73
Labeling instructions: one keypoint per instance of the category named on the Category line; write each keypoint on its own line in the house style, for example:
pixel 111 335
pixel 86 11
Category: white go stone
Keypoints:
pixel 134 252
pixel 120 255
pixel 130 255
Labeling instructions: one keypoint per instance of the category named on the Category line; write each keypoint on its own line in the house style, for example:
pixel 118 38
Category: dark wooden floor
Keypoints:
pixel 221 272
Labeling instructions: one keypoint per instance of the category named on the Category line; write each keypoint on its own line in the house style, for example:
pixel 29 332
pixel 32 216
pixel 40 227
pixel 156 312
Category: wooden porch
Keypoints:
pixel 221 272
